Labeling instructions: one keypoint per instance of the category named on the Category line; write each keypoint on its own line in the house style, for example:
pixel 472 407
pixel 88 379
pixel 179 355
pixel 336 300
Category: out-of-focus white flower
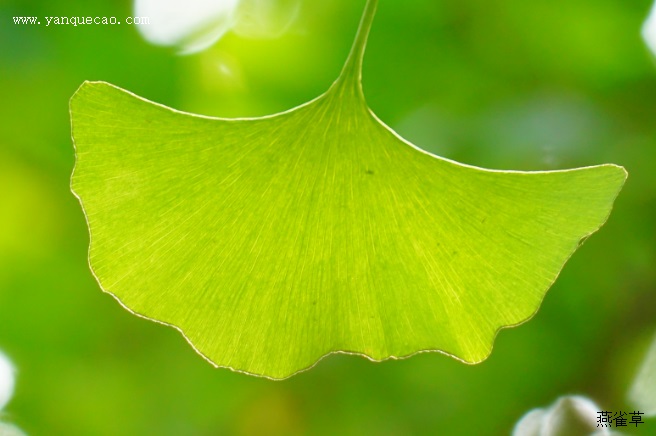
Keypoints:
pixel 191 25
pixel 7 375
pixel 643 390
pixel 569 415
pixel 649 30
pixel 194 25
pixel 10 430
pixel 530 424
pixel 7 380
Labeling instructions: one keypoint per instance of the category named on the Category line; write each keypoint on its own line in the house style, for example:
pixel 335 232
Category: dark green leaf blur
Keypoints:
pixel 509 84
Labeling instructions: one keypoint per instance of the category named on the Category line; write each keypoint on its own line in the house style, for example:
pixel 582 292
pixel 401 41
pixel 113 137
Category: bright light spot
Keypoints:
pixel 224 69
pixel 265 18
pixel 190 25
pixel 6 380
pixel 649 30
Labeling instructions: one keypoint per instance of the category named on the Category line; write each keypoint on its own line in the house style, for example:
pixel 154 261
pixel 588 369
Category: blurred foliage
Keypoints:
pixel 506 84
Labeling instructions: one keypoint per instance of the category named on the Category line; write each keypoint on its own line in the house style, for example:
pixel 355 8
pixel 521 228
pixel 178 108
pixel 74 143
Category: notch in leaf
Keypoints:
pixel 271 242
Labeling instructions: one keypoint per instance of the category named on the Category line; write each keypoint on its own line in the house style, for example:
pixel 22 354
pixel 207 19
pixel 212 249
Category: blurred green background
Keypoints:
pixel 511 84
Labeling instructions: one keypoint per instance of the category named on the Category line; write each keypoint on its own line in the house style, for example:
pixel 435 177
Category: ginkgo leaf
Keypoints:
pixel 271 242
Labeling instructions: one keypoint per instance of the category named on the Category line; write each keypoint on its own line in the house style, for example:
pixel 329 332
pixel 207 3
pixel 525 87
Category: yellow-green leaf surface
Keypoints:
pixel 271 242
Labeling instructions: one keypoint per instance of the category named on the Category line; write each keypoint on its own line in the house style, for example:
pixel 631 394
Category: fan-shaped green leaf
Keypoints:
pixel 271 242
